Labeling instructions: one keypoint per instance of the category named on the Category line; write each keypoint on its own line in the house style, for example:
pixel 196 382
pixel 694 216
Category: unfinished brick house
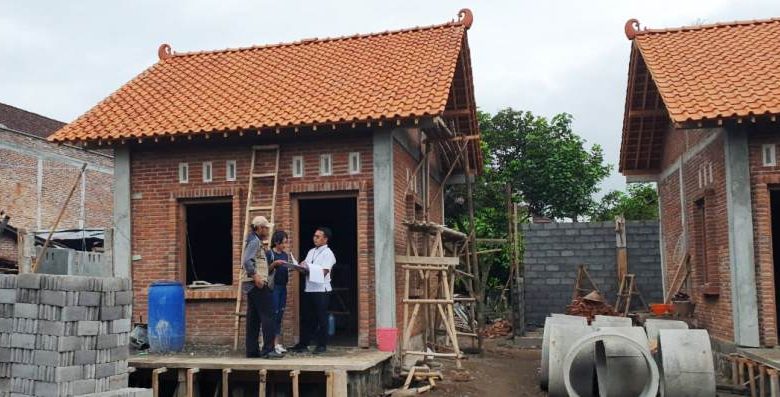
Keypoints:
pixel 353 118
pixel 37 175
pixel 701 121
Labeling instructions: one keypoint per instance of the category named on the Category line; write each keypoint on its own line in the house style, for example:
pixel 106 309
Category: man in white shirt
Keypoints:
pixel 319 262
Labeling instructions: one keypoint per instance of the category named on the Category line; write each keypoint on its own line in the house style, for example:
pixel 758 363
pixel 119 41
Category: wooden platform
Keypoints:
pixel 354 360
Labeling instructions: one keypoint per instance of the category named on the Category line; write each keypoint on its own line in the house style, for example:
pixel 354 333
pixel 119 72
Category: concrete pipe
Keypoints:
pixel 600 339
pixel 611 321
pixel 560 319
pixel 620 368
pixel 686 363
pixel 562 337
pixel 652 326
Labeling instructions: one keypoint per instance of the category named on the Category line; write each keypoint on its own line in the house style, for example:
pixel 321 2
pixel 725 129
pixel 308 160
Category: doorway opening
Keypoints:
pixel 208 242
pixel 340 215
pixel 774 204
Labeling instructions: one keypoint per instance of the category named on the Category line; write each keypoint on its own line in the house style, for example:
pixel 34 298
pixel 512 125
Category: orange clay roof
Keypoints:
pixel 695 74
pixel 714 71
pixel 391 75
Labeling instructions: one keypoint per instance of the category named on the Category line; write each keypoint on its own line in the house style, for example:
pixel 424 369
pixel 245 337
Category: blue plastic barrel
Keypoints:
pixel 166 317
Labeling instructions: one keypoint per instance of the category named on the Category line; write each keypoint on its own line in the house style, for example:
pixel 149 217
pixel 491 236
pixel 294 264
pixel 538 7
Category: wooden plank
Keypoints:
pixel 263 377
pixel 351 361
pixel 433 354
pixel 294 374
pixel 339 379
pixel 190 382
pixel 156 380
pixel 225 381
pixel 427 260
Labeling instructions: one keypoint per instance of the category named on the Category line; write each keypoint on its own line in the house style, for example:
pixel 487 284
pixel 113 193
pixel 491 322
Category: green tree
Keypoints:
pixel 639 203
pixel 544 160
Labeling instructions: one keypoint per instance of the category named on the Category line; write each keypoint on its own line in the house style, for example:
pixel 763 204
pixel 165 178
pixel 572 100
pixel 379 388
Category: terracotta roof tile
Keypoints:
pixel 715 71
pixel 399 74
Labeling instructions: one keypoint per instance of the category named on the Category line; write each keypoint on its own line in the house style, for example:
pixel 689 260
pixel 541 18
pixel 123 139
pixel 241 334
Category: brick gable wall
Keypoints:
pixel 712 311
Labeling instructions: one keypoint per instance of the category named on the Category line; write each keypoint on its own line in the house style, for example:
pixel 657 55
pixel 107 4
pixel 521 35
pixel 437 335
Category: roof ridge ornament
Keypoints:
pixel 465 17
pixel 632 28
pixel 164 52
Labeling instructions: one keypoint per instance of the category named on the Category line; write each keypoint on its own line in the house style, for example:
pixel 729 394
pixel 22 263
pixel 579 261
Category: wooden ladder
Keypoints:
pixel 628 288
pixel 252 211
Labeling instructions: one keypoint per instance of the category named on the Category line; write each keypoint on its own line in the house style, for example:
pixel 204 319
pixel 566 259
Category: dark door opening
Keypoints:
pixel 774 203
pixel 208 242
pixel 340 215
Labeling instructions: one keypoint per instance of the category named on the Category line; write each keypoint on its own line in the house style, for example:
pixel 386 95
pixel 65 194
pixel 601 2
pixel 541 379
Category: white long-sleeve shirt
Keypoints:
pixel 319 259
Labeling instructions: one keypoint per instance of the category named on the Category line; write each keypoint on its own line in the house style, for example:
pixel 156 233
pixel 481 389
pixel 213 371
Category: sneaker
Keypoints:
pixel 299 348
pixel 320 350
pixel 280 349
pixel 271 355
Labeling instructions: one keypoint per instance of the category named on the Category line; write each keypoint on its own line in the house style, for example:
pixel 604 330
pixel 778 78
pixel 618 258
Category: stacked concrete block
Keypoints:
pixel 64 335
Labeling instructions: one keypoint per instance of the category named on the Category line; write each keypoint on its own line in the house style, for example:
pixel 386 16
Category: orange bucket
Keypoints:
pixel 661 308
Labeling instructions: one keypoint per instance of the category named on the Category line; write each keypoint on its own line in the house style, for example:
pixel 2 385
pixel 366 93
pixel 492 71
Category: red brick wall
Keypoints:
pixel 8 247
pixel 712 311
pixel 764 178
pixel 409 206
pixel 157 212
pixel 19 156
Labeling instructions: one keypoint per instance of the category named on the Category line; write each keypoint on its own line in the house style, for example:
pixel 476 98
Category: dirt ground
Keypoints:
pixel 502 371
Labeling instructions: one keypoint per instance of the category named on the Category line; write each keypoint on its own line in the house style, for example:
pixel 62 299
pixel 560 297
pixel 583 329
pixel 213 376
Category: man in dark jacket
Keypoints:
pixel 259 308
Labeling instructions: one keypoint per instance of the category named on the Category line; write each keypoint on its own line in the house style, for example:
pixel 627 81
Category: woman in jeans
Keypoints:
pixel 278 255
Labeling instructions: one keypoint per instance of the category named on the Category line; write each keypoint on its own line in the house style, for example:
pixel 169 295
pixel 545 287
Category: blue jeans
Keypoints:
pixel 280 303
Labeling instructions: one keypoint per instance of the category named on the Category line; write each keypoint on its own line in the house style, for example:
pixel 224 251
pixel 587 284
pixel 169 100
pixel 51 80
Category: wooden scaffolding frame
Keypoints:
pixel 434 306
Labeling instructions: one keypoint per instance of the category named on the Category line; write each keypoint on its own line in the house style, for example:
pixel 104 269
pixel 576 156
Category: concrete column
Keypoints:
pixel 384 229
pixel 122 225
pixel 744 305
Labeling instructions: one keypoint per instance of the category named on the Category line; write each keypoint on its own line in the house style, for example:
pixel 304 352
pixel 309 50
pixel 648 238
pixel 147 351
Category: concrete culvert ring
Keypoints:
pixel 651 385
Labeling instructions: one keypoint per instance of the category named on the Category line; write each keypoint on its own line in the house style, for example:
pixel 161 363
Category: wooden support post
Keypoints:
pixel 263 376
pixel 294 375
pixel 337 382
pixel 190 382
pixel 740 370
pixel 181 383
pixel 734 364
pixel 762 380
pixel 751 377
pixel 774 385
pixel 156 380
pixel 225 381
pixel 620 244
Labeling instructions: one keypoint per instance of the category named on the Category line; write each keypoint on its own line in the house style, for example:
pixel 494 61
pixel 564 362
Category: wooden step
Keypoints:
pixel 264 175
pixel 260 208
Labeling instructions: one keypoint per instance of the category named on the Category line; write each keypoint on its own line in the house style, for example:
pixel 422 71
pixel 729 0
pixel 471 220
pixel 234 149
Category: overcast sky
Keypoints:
pixel 59 58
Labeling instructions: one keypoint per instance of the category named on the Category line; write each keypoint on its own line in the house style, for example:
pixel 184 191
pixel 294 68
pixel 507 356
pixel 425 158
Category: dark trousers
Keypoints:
pixel 318 329
pixel 259 311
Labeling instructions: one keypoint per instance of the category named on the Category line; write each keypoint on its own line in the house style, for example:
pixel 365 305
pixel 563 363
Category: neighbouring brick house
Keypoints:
pixel 701 121
pixel 36 176
pixel 352 117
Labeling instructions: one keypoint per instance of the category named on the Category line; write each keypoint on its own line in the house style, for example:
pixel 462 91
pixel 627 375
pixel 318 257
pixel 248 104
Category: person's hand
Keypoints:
pixel 278 263
pixel 259 282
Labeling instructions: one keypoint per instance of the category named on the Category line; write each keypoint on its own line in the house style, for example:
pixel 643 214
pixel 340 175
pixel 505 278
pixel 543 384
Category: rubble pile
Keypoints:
pixel 589 306
pixel 498 328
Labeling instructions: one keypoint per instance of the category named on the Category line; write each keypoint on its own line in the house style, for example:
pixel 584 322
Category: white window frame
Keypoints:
pixel 354 163
pixel 297 166
pixel 228 165
pixel 184 173
pixel 771 161
pixel 326 164
pixel 208 171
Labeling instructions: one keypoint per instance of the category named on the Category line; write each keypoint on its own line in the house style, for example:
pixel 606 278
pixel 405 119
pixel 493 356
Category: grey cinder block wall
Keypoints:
pixel 553 251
